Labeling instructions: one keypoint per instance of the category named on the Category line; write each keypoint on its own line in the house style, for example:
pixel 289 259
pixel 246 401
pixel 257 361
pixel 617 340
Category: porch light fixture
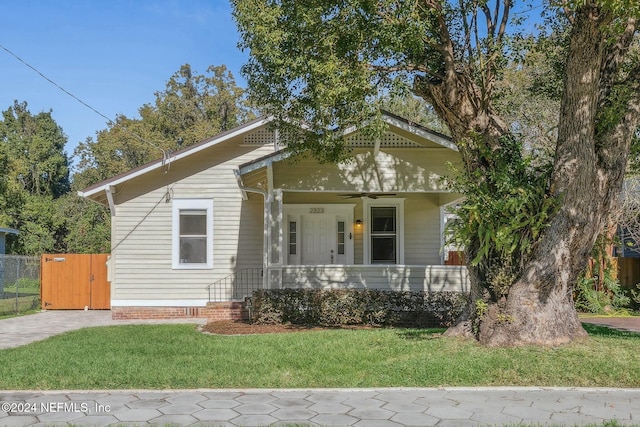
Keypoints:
pixel 358 223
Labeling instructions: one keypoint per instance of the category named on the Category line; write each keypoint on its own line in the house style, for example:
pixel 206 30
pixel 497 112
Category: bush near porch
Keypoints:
pixel 336 307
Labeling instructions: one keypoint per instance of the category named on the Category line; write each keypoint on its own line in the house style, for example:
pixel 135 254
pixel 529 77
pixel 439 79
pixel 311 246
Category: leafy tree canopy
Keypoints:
pixel 192 107
pixel 36 175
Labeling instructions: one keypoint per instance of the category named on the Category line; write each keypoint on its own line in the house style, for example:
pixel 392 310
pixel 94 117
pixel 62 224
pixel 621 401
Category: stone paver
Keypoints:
pixel 441 407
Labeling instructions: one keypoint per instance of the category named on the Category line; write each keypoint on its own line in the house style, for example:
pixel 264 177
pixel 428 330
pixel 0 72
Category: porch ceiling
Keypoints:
pixel 256 178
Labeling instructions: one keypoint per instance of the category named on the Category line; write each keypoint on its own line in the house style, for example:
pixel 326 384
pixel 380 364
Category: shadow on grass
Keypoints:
pixel 593 330
pixel 420 334
pixel 605 331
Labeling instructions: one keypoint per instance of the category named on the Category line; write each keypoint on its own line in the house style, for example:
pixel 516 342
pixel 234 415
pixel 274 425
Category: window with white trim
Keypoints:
pixel 383 237
pixel 192 234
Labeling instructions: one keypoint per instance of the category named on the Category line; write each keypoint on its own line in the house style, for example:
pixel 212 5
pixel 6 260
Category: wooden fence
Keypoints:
pixel 74 281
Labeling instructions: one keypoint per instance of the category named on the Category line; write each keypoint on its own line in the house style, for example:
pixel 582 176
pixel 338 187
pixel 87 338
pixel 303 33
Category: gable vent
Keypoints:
pixel 260 137
pixel 388 140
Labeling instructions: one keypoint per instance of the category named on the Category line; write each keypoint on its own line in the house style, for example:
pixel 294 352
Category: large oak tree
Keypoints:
pixel 528 228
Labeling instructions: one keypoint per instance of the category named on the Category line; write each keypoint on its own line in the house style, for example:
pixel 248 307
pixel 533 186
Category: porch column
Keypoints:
pixel 274 240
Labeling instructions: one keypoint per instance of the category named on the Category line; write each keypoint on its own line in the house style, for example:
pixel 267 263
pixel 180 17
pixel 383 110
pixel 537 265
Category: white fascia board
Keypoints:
pixel 281 155
pixel 187 153
pixel 421 132
pixel 430 136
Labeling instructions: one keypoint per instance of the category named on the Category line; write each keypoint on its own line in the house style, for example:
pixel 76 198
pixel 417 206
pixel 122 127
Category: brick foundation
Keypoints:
pixel 213 311
pixel 234 310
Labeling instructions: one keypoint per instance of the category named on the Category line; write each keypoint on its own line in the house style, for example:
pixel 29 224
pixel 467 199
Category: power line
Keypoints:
pixel 165 156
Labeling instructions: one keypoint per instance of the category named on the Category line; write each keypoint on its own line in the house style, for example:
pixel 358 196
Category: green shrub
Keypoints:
pixel 634 296
pixel 608 297
pixel 336 307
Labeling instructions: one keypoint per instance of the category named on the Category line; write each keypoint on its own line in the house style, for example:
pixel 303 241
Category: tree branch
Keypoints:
pixel 616 139
pixel 467 30
pixel 407 67
pixel 491 28
pixel 505 20
pixel 615 57
pixel 576 137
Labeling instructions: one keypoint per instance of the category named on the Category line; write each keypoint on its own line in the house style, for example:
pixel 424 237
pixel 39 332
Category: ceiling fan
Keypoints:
pixel 369 195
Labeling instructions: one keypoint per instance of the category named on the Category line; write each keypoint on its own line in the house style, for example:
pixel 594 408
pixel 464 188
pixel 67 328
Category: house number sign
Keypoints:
pixel 316 210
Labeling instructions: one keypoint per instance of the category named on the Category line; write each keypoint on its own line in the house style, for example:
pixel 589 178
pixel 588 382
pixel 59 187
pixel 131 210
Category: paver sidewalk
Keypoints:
pixel 631 324
pixel 17 331
pixel 327 407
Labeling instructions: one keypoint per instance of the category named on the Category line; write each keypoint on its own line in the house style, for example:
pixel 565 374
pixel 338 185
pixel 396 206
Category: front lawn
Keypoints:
pixel 178 356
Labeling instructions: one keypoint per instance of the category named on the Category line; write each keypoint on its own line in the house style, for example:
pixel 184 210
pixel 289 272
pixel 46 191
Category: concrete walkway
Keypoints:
pixel 631 324
pixel 17 331
pixel 326 407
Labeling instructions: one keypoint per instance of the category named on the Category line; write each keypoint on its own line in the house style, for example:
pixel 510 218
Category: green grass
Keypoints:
pixel 28 298
pixel 178 356
pixel 26 304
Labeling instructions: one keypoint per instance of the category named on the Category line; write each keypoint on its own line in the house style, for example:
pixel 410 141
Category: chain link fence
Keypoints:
pixel 19 284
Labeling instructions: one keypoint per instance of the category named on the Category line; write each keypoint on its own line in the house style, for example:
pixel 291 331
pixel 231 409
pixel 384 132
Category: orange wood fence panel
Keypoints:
pixel 74 281
pixel 455 258
pixel 629 272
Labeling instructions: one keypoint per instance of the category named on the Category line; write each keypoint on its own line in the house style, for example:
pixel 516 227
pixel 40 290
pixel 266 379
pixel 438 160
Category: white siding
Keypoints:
pixel 142 238
pixel 421 230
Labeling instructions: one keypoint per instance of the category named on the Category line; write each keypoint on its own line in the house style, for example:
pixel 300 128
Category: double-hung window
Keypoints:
pixel 383 239
pixel 384 233
pixel 192 234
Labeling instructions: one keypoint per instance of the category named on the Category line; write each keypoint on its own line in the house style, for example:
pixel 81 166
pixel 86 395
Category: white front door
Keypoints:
pixel 318 234
pixel 318 239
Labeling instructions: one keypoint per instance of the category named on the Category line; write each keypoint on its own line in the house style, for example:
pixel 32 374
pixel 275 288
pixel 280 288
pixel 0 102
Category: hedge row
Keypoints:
pixel 336 307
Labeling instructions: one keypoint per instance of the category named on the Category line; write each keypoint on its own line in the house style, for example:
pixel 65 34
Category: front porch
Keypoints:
pixel 374 222
pixel 428 278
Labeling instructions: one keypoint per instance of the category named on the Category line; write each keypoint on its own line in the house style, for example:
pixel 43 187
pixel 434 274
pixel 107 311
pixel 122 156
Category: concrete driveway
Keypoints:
pixel 17 331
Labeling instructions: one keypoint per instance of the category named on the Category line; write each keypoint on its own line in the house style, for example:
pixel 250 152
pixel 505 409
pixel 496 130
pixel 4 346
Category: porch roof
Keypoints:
pixel 390 162
pixel 426 138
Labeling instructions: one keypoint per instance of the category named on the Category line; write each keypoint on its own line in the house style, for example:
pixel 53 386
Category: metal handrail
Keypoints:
pixel 236 286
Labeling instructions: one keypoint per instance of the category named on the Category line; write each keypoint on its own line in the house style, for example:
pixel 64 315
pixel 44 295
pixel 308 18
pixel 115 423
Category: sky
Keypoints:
pixel 112 54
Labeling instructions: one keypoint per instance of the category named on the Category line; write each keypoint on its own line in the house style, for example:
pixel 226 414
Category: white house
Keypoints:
pixel 234 213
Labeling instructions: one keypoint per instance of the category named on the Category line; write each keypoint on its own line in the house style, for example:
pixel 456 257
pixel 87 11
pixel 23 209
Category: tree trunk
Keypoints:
pixel 589 167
